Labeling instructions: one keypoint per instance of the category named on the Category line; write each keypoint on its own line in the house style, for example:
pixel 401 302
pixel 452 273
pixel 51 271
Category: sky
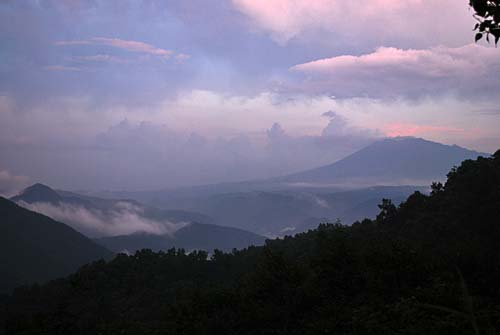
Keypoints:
pixel 131 94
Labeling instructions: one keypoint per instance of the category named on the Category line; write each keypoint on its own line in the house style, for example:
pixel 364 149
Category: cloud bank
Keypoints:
pixel 357 21
pixel 468 71
pixel 123 219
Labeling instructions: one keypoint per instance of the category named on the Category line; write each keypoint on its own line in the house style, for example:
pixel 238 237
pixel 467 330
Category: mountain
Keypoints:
pixel 35 248
pixel 349 189
pixel 428 266
pixel 194 236
pixel 122 224
pixel 343 190
pixel 392 161
pixel 289 211
pixel 97 217
pixel 38 193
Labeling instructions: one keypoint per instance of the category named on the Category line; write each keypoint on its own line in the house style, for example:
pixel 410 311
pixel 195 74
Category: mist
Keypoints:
pixel 145 155
pixel 123 218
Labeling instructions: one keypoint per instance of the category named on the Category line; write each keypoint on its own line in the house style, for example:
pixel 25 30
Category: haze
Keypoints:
pixel 154 94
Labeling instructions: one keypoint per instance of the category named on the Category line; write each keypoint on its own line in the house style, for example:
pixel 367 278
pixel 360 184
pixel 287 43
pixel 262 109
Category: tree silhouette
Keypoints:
pixel 487 14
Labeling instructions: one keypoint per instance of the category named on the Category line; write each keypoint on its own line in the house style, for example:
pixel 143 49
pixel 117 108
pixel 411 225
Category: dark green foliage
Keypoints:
pixel 487 14
pixel 428 266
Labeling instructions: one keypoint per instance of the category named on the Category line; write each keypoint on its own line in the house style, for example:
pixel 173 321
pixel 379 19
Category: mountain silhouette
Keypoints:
pixel 35 248
pixel 391 161
pixel 194 236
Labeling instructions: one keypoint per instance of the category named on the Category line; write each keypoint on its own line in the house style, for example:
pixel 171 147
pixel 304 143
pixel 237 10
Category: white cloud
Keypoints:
pixel 468 71
pixel 123 219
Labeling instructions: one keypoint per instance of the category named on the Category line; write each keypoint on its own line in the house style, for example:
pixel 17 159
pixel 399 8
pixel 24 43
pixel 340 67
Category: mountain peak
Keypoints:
pixel 38 193
pixel 389 161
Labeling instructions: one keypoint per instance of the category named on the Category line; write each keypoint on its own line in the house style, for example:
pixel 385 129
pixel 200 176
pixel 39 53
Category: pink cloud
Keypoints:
pixel 128 45
pixel 181 58
pixel 410 129
pixel 62 68
pixel 395 72
pixel 356 19
pixel 435 62
pixel 134 46
pixel 75 42
pixel 99 58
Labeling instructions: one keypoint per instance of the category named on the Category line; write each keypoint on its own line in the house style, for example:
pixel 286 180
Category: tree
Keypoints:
pixel 487 14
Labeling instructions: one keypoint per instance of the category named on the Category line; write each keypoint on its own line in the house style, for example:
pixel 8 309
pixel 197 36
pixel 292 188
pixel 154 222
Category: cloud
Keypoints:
pixel 202 137
pixel 123 219
pixel 62 68
pixel 146 51
pixel 99 58
pixel 179 158
pixel 360 22
pixel 128 45
pixel 134 46
pixel 489 111
pixel 405 129
pixel 330 114
pixel 390 72
pixel 11 184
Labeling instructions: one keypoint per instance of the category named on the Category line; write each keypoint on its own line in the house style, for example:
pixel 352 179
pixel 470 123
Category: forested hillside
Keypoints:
pixel 35 248
pixel 428 266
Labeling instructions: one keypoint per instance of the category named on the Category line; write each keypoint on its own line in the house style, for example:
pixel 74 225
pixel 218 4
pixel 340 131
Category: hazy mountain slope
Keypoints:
pixel 38 193
pixel 127 224
pixel 297 201
pixel 194 236
pixel 392 161
pixel 96 217
pixel 291 203
pixel 35 248
pixel 290 211
pixel 356 205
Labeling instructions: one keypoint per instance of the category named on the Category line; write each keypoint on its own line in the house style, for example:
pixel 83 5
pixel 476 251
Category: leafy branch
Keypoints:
pixel 487 14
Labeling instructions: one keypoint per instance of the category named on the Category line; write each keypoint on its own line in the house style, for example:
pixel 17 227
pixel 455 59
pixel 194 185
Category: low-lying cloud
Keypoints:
pixel 123 218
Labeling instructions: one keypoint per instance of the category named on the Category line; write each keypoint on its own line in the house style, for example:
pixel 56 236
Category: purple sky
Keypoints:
pixel 137 94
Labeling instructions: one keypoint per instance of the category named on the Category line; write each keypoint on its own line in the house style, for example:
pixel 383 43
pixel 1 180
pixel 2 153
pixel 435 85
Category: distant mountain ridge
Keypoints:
pixel 397 161
pixel 42 198
pixel 391 161
pixel 300 201
pixel 194 236
pixel 183 228
pixel 35 248
pixel 344 189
